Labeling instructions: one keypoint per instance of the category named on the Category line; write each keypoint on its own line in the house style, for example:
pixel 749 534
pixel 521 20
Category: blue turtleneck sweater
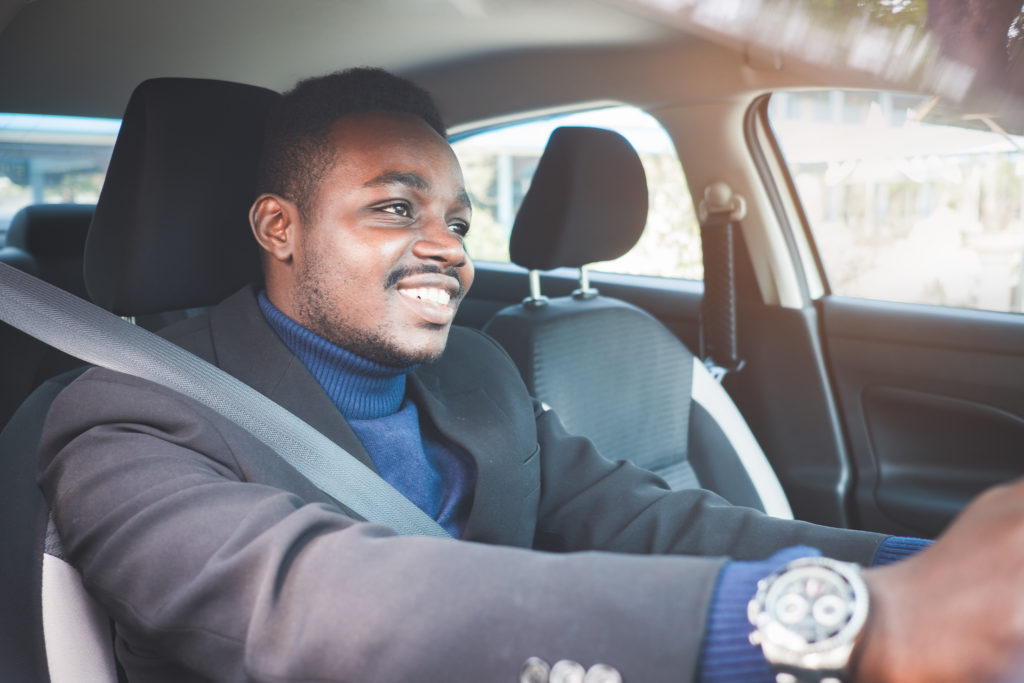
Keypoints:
pixel 409 452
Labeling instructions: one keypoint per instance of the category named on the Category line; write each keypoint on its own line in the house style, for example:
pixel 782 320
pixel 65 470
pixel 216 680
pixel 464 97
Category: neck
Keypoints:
pixel 361 389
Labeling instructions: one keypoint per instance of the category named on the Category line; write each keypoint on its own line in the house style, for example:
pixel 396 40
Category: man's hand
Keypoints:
pixel 954 612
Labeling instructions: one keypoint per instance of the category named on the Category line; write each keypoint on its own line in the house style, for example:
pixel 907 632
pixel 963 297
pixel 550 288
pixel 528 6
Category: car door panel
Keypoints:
pixel 783 393
pixel 932 400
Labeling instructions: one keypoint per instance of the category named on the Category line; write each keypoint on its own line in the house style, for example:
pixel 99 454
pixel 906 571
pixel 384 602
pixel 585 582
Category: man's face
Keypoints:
pixel 379 264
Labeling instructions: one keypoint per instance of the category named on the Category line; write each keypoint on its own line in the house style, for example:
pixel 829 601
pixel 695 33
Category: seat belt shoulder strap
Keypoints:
pixel 720 213
pixel 94 335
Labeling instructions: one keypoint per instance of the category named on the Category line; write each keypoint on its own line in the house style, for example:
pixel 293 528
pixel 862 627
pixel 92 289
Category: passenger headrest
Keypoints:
pixel 51 231
pixel 587 202
pixel 171 227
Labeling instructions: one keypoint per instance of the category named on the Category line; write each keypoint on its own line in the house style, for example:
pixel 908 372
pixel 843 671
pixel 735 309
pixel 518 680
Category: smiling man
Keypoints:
pixel 365 267
pixel 218 561
pixel 376 264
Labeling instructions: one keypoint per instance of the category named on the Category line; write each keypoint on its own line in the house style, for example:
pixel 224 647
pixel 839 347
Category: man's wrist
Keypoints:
pixel 866 661
pixel 727 654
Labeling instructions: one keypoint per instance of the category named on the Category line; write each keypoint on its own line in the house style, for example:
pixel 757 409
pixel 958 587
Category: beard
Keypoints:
pixel 318 311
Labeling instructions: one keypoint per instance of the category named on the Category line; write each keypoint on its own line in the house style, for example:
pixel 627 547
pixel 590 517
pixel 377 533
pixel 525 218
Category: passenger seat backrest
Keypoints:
pixel 54 235
pixel 48 241
pixel 20 259
pixel 610 370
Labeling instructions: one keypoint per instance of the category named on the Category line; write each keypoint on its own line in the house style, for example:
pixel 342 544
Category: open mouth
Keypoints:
pixel 431 295
pixel 433 305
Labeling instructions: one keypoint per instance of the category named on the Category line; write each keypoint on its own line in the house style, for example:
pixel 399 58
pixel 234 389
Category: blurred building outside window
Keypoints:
pixel 906 201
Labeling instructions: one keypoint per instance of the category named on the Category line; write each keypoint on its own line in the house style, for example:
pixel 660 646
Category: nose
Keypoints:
pixel 437 242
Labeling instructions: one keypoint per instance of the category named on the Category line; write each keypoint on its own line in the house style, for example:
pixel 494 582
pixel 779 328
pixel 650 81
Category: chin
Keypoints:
pixel 404 355
pixel 427 353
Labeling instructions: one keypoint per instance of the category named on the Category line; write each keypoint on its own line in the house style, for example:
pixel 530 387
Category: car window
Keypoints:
pixel 51 159
pixel 907 200
pixel 499 163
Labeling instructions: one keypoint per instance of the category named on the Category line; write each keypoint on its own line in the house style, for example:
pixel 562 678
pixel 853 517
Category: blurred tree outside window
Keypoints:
pixel 498 165
pixel 908 200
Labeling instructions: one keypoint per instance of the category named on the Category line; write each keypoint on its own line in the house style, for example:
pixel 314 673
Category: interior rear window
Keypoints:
pixel 51 159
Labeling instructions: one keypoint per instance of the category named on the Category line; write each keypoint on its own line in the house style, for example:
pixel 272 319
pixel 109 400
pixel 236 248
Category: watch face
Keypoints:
pixel 810 608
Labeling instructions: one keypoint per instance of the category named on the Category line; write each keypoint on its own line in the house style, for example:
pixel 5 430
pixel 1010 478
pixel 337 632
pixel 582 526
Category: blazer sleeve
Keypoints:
pixel 216 565
pixel 590 502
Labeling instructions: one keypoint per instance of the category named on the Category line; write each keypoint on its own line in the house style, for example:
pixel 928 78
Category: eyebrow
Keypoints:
pixel 412 180
pixel 407 178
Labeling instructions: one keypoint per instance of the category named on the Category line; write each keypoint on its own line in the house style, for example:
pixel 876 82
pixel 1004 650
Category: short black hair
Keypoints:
pixel 296 152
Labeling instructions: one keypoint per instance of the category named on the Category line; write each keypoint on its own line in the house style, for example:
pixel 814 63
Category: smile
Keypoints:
pixel 432 295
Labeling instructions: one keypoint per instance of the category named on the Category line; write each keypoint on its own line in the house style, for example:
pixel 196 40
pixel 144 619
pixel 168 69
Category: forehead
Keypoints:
pixel 378 140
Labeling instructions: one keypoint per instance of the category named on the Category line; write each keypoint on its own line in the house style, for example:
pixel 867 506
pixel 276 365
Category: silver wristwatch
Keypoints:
pixel 807 618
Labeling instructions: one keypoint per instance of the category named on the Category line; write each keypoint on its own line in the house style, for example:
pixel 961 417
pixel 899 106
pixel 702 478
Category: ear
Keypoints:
pixel 274 222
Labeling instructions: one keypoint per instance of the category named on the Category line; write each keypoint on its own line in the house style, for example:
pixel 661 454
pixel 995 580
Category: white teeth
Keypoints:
pixel 429 294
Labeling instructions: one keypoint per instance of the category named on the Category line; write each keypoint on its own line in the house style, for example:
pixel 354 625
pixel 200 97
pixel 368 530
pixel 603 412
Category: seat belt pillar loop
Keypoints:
pixel 720 213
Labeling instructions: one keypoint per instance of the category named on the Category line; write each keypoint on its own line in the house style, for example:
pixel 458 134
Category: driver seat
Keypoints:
pixel 180 138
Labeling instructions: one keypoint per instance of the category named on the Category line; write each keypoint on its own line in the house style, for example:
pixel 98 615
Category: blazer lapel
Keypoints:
pixel 247 347
pixel 470 419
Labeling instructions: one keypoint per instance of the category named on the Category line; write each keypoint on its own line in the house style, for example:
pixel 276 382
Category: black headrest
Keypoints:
pixel 587 202
pixel 51 231
pixel 171 228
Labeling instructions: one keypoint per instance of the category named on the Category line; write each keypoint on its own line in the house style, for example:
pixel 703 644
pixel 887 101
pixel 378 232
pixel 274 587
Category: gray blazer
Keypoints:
pixel 218 561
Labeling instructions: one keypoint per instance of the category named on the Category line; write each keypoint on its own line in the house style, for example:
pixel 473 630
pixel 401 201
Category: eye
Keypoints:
pixel 460 228
pixel 398 208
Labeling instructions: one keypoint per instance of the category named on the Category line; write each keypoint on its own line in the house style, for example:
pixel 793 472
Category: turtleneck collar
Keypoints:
pixel 361 389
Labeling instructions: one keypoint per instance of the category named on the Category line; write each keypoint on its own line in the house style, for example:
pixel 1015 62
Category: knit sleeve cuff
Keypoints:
pixel 896 548
pixel 727 655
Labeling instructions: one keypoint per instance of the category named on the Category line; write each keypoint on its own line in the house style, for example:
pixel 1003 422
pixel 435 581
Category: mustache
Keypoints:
pixel 400 272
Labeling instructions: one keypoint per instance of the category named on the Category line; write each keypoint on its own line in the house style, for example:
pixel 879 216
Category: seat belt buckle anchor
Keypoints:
pixel 718 199
pixel 718 372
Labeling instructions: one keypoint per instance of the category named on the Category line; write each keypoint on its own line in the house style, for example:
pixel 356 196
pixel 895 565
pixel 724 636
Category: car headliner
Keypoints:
pixel 481 58
pixel 84 58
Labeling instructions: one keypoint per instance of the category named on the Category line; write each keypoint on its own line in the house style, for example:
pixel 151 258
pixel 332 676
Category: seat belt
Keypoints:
pixel 96 336
pixel 720 213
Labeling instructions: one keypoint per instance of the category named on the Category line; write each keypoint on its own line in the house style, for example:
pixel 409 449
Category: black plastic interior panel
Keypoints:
pixel 787 401
pixel 932 400
pixel 935 453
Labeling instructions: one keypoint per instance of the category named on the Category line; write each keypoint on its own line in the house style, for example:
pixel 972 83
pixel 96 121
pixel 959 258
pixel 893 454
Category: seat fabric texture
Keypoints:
pixel 610 370
pixel 569 353
pixel 23 520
